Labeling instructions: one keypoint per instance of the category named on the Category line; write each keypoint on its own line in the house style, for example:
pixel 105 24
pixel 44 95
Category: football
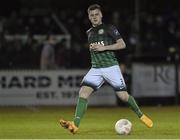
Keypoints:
pixel 123 127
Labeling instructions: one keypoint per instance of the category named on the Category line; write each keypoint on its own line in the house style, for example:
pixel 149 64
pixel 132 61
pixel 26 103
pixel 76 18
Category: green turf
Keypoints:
pixel 42 123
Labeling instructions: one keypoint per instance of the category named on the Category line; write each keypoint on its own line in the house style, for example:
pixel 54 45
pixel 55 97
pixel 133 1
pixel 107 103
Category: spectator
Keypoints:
pixel 47 61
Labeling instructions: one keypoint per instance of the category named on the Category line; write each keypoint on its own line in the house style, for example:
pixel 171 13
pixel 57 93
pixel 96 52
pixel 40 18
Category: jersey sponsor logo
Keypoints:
pixel 101 31
pixel 99 42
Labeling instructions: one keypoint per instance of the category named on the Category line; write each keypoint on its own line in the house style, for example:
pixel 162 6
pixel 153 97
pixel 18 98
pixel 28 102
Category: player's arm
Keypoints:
pixel 120 44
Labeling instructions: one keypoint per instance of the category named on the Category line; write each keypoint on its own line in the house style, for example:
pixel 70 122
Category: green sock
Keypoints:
pixel 132 104
pixel 81 108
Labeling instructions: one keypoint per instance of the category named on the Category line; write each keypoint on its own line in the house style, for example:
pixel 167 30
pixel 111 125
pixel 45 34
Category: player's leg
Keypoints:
pixel 114 77
pixel 125 97
pixel 92 81
pixel 81 106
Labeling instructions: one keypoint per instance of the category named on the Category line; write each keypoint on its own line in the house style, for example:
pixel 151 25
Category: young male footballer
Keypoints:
pixel 103 39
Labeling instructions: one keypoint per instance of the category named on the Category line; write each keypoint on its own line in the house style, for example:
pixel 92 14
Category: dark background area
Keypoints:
pixel 151 30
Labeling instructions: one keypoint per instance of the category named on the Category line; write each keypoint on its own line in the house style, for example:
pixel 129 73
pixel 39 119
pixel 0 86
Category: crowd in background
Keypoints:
pixel 158 33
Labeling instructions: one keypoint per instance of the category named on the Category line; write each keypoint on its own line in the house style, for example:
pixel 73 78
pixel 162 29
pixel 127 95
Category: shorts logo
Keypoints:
pixel 101 31
pixel 122 84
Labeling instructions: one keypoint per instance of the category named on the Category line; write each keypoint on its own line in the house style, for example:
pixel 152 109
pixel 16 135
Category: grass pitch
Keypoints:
pixel 98 123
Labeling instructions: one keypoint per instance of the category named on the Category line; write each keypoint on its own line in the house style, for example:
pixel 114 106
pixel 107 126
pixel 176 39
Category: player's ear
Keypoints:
pixel 89 16
pixel 101 14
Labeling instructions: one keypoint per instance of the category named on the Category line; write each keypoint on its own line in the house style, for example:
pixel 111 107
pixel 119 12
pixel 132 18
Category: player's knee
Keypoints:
pixel 123 95
pixel 83 95
pixel 85 92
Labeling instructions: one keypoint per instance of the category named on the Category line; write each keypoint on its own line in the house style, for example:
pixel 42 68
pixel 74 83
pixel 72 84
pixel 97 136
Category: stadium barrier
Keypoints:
pixel 48 88
pixel 153 80
pixel 61 87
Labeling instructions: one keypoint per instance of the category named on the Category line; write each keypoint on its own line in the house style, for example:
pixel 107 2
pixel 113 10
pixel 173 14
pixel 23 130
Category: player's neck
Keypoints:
pixel 95 25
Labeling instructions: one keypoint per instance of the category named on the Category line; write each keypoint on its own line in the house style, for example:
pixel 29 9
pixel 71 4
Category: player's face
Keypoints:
pixel 95 16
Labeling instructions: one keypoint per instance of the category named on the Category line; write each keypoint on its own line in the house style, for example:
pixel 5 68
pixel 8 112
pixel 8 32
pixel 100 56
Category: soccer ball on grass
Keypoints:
pixel 123 127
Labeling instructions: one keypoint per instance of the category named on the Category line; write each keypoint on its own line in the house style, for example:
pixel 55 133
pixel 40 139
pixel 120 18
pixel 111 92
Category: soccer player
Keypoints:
pixel 103 40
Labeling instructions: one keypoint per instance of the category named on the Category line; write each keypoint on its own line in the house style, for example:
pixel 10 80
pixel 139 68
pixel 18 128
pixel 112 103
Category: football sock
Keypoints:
pixel 132 104
pixel 81 108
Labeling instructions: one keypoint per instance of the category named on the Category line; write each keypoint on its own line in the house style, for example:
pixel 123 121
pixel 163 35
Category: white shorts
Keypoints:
pixel 97 76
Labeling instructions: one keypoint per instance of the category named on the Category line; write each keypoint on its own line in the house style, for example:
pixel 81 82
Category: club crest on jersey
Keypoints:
pixel 101 31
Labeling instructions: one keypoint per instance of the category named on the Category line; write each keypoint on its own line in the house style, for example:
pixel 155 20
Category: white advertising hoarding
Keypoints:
pixel 153 80
pixel 48 88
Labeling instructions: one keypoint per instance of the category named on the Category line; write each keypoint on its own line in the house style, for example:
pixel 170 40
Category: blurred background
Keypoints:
pixel 44 53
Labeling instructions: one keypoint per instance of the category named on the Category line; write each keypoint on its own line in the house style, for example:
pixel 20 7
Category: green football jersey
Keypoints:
pixel 105 35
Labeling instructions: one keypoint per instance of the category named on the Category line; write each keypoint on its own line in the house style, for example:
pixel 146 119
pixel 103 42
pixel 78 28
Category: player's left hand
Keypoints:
pixel 97 48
